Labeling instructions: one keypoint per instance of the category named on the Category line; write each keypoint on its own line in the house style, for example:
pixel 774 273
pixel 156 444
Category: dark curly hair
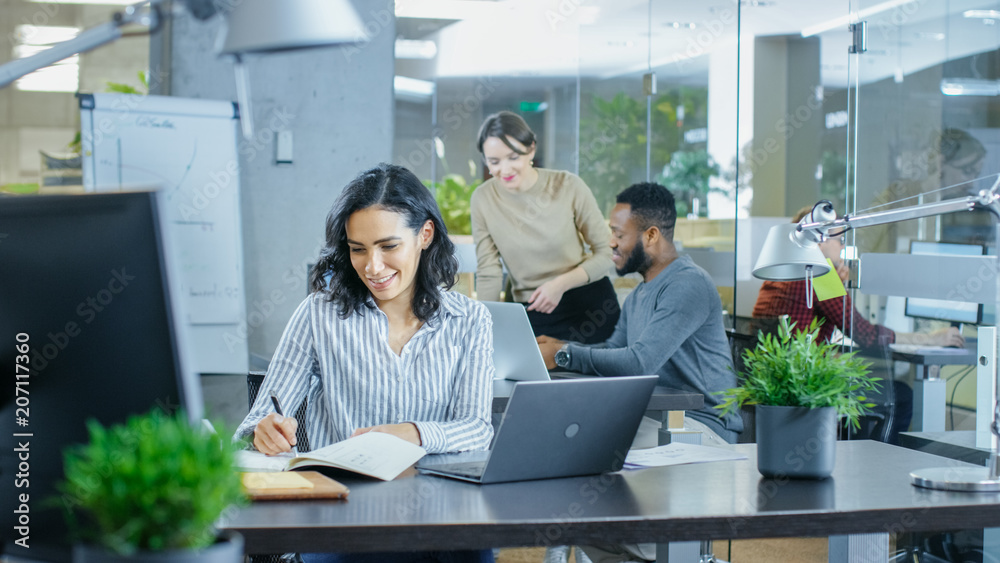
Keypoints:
pixel 396 189
pixel 652 205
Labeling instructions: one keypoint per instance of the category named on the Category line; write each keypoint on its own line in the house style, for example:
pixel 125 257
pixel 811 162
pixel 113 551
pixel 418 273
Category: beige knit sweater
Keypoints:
pixel 539 233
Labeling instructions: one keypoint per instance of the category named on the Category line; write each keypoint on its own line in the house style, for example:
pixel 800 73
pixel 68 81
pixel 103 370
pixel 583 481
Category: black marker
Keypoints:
pixel 277 409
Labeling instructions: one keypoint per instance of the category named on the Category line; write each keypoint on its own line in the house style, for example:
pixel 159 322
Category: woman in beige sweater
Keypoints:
pixel 545 227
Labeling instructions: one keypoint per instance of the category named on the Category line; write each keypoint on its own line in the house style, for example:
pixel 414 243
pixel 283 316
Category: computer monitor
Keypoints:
pixel 88 329
pixel 940 309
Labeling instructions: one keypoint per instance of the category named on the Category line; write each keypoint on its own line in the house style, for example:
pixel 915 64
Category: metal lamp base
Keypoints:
pixel 963 479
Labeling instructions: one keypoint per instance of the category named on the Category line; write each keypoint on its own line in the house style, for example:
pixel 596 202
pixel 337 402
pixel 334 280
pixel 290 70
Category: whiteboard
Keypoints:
pixel 188 149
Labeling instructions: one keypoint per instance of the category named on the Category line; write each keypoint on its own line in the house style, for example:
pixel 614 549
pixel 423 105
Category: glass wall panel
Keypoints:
pixel 614 55
pixel 692 115
pixel 926 131
pixel 792 136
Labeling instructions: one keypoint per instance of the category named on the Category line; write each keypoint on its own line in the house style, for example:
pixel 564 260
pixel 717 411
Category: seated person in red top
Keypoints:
pixel 778 298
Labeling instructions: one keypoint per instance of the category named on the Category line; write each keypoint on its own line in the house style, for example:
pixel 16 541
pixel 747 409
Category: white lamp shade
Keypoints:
pixel 256 26
pixel 784 259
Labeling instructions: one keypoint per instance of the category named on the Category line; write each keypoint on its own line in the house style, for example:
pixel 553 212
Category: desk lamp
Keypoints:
pixel 790 252
pixel 251 26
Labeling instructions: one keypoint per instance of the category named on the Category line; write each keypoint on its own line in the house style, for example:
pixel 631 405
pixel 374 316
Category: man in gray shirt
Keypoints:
pixel 670 325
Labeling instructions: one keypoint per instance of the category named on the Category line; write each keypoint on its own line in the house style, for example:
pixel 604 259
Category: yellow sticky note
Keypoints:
pixel 829 285
pixel 280 480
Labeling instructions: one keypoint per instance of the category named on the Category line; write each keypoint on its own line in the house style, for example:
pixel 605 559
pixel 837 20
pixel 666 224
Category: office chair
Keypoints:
pixel 738 343
pixel 254 381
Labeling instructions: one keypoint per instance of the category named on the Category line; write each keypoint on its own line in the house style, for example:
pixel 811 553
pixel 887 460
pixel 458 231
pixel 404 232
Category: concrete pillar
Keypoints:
pixel 787 126
pixel 338 104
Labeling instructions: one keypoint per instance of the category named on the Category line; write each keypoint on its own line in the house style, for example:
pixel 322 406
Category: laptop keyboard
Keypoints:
pixel 465 469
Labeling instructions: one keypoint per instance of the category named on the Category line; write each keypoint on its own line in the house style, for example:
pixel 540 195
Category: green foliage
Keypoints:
pixel 833 186
pixel 613 137
pixel 687 177
pixel 76 145
pixel 795 370
pixel 453 196
pixel 119 88
pixel 154 483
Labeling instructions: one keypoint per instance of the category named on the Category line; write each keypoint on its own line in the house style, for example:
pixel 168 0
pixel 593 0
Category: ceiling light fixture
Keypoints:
pixel 982 14
pixel 415 49
pixel 412 89
pixel 448 9
pixel 969 87
pixel 92 2
pixel 844 21
pixel 63 75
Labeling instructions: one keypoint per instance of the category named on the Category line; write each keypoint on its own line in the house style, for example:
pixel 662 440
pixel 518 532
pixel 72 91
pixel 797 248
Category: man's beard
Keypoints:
pixel 638 261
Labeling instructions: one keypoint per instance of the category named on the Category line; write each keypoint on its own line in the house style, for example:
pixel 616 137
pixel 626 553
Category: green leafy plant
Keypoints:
pixel 613 136
pixel 794 369
pixel 688 176
pixel 121 88
pixel 154 483
pixel 453 195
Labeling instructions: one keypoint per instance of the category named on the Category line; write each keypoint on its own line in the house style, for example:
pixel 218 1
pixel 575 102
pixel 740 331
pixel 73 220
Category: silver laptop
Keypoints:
pixel 515 353
pixel 559 428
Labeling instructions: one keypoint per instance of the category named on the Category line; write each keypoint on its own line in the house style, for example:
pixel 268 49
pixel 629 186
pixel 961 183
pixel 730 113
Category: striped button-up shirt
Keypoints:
pixel 442 381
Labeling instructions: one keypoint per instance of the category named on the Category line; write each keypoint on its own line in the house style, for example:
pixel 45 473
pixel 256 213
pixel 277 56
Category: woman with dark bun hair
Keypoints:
pixel 379 345
pixel 545 227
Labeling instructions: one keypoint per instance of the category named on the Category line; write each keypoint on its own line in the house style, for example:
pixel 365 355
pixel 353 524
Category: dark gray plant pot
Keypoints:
pixel 228 549
pixel 796 442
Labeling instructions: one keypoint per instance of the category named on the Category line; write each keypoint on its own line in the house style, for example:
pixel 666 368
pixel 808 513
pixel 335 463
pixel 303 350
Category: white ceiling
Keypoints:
pixel 606 38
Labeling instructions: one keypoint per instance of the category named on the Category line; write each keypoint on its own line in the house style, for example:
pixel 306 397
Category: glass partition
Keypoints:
pixel 925 132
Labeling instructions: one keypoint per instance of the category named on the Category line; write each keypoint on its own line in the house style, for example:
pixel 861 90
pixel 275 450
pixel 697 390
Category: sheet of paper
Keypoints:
pixel 829 284
pixel 677 454
pixel 272 480
pixel 377 454
pixel 248 460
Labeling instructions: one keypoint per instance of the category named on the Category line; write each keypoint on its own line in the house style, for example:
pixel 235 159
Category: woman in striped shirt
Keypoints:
pixel 379 345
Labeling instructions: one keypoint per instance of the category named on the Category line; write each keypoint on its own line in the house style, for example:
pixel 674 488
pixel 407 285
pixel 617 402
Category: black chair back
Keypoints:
pixel 254 381
pixel 738 342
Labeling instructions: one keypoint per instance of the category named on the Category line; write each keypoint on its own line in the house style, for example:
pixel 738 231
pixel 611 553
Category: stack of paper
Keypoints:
pixel 678 454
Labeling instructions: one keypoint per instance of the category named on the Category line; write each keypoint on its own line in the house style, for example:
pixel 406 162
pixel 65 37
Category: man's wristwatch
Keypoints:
pixel 562 356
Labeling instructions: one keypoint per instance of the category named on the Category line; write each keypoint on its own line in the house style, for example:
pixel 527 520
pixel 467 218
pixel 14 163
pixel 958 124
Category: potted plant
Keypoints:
pixel 453 195
pixel 800 387
pixel 151 490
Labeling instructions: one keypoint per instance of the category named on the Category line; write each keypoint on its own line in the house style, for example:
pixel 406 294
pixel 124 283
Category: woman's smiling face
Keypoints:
pixel 513 168
pixel 385 252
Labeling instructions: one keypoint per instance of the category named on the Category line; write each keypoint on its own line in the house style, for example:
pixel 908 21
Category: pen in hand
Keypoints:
pixel 277 409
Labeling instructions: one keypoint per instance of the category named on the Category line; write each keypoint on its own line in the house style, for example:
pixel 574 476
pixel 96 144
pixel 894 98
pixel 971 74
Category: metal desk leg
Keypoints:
pixel 859 548
pixel 928 403
pixel 672 430
pixel 678 552
pixel 991 544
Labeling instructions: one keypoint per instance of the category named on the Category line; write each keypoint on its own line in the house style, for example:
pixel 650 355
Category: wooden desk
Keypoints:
pixel 869 493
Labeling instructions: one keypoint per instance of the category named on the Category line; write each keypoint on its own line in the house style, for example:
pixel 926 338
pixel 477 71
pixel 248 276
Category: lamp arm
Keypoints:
pixel 86 41
pixel 894 215
pixel 989 199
